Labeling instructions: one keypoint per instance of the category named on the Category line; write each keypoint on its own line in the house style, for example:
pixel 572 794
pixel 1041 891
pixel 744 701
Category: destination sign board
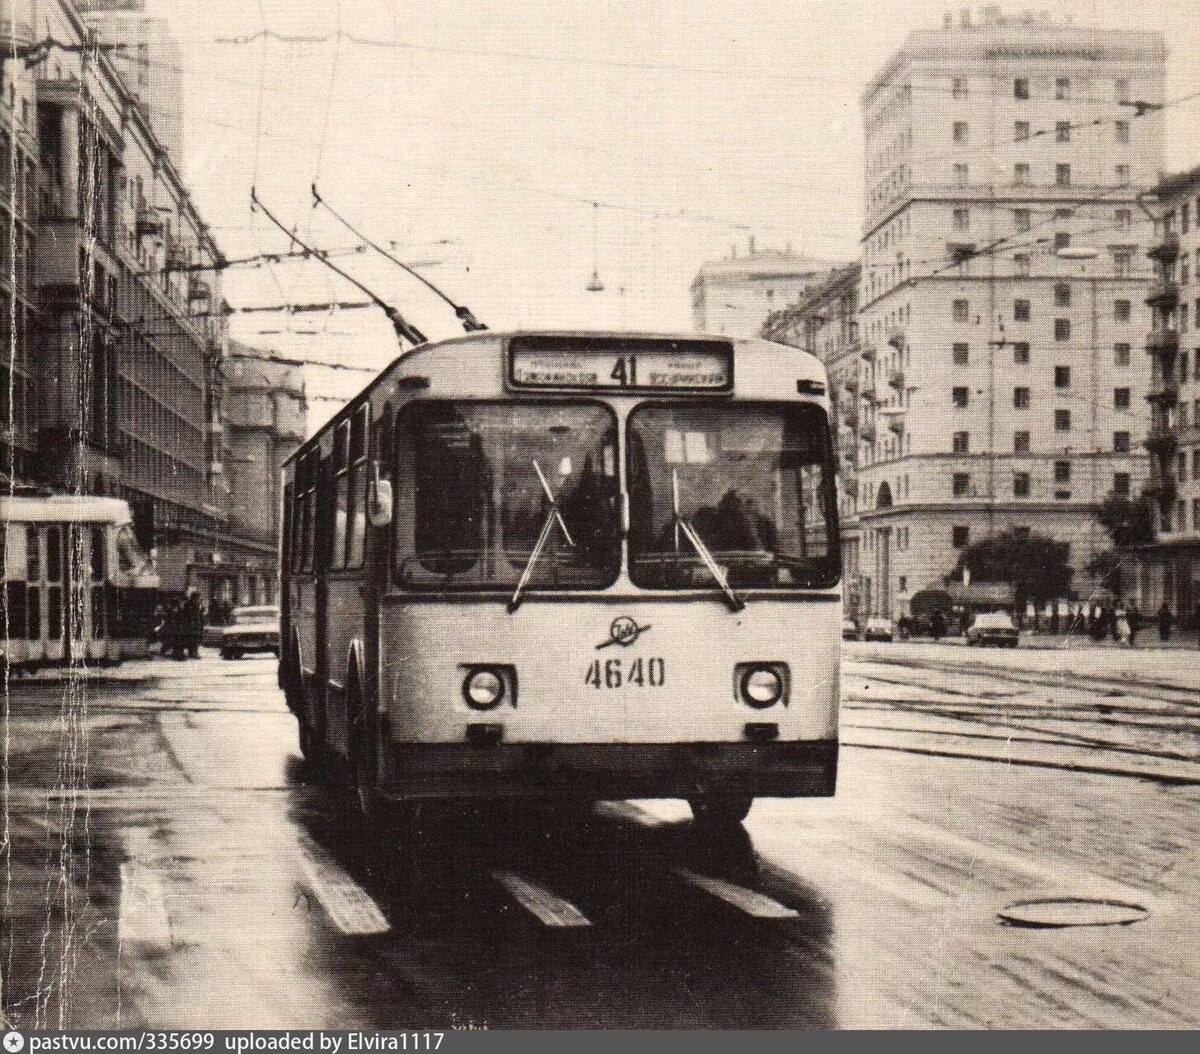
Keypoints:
pixel 621 364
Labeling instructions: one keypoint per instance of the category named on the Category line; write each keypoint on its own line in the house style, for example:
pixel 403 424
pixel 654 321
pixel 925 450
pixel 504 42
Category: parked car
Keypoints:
pixel 251 629
pixel 879 629
pixel 849 629
pixel 993 627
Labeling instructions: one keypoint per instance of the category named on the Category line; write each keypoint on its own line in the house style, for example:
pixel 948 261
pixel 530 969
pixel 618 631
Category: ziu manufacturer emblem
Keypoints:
pixel 623 631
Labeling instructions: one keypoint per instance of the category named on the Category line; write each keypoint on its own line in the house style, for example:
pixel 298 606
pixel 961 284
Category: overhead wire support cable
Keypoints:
pixel 404 329
pixel 469 322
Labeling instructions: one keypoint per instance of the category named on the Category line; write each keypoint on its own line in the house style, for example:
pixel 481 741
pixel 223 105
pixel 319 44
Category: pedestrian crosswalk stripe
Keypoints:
pixel 549 908
pixel 750 901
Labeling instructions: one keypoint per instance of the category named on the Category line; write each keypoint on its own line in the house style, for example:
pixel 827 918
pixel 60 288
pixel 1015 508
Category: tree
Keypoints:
pixel 1034 565
pixel 1129 525
pixel 1127 522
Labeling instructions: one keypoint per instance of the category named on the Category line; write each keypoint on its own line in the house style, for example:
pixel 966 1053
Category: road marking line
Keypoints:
pixel 349 906
pixel 143 919
pixel 750 901
pixel 549 908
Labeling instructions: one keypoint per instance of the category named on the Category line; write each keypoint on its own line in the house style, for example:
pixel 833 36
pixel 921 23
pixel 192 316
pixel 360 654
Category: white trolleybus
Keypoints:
pixel 77 588
pixel 569 566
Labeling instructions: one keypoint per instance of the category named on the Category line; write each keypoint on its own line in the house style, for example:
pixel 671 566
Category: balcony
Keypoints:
pixel 198 289
pixel 896 380
pixel 1163 293
pixel 851 382
pixel 867 432
pixel 868 391
pixel 896 425
pixel 868 352
pixel 149 224
pixel 1159 341
pixel 1165 250
pixel 1164 391
pixel 850 419
pixel 895 337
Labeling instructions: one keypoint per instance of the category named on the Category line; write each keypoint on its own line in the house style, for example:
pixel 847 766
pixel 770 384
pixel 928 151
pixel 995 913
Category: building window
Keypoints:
pixel 1062 472
pixel 1062 132
pixel 960 175
pixel 1062 294
pixel 1121 484
pixel 1196 461
pixel 962 219
pixel 1062 420
pixel 1021 311
pixel 1185 215
pixel 1061 240
pixel 1020 484
pixel 1062 376
pixel 1023 265
pixel 960 87
pixel 962 310
pixel 1121 442
pixel 962 354
pixel 962 442
pixel 1020 442
pixel 1020 353
pixel 1021 219
pixel 1021 131
pixel 1122 128
pixel 960 398
pixel 962 484
pixel 1123 175
pixel 1022 176
pixel 1122 310
pixel 1062 88
pixel 1062 175
pixel 1121 354
pixel 1021 398
pixel 960 131
pixel 1062 329
pixel 1121 399
pixel 1124 218
pixel 1121 89
pixel 1121 264
pixel 1021 88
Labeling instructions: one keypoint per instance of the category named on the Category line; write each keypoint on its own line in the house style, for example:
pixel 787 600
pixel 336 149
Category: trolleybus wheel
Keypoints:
pixel 721 810
pixel 369 806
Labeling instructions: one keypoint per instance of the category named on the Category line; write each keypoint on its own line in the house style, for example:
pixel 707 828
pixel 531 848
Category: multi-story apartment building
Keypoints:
pixel 1170 571
pixel 265 415
pixel 824 321
pixel 734 296
pixel 1002 290
pixel 113 307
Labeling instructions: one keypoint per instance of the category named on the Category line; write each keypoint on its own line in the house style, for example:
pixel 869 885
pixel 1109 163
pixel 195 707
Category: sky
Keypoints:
pixel 474 137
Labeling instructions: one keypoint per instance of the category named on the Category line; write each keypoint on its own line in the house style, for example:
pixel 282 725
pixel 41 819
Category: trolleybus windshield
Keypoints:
pixel 751 483
pixel 478 483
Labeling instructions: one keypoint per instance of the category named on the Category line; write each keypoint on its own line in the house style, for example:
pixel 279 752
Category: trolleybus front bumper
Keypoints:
pixel 805 768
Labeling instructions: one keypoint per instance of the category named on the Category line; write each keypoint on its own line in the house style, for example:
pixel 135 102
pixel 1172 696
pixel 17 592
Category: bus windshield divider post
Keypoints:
pixel 736 603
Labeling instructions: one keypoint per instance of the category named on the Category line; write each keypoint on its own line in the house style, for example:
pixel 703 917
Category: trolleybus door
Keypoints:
pixel 35 578
pixel 57 589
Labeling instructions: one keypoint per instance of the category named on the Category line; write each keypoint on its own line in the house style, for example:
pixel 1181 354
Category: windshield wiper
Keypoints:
pixel 552 517
pixel 736 603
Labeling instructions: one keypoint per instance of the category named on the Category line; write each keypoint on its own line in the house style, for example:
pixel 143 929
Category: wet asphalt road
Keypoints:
pixel 166 864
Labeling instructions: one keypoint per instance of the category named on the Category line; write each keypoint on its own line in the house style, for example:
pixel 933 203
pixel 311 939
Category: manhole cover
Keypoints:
pixel 1053 912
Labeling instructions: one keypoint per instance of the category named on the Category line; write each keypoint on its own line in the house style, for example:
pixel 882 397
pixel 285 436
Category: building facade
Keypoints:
pixel 113 310
pixel 734 296
pixel 265 418
pixel 824 321
pixel 1170 572
pixel 1003 291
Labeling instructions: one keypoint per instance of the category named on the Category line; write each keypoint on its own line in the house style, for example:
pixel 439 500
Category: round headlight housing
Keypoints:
pixel 762 686
pixel 483 689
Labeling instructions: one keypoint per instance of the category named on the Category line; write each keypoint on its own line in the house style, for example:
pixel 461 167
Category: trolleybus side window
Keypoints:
pixel 54 577
pixel 33 575
pixel 287 542
pixel 341 469
pixel 754 482
pixel 358 489
pixel 482 486
pixel 311 472
pixel 98 542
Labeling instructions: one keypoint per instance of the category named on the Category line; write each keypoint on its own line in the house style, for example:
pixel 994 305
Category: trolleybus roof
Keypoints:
pixel 807 366
pixel 64 508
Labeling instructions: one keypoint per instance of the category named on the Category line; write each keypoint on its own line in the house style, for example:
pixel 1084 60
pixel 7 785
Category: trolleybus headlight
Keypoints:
pixel 762 686
pixel 483 689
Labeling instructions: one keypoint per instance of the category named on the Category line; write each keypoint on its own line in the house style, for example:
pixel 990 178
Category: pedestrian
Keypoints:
pixel 192 619
pixel 1164 622
pixel 1196 622
pixel 937 625
pixel 1121 629
pixel 1135 623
